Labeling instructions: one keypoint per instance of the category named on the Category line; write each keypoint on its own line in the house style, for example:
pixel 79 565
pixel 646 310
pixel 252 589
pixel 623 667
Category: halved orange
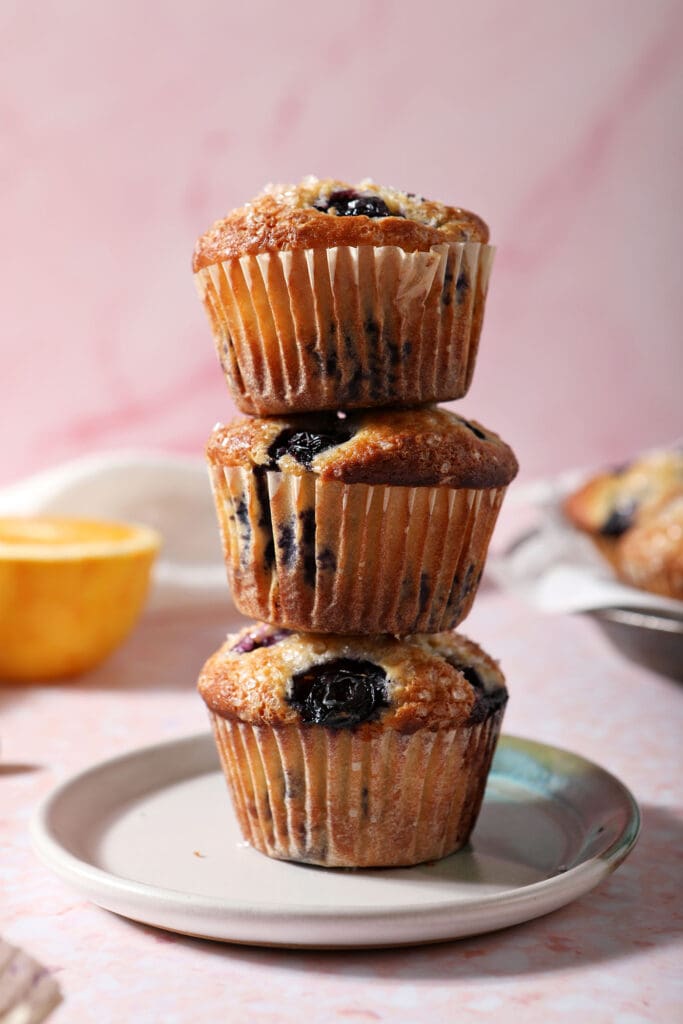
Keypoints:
pixel 70 591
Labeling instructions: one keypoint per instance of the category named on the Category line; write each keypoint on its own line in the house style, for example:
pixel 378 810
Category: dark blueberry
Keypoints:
pixel 286 543
pixel 456 593
pixel 470 673
pixel 447 282
pixel 265 520
pixel 340 694
pixel 242 517
pixel 371 327
pixel 468 581
pixel 332 365
pixel 229 362
pixel 242 512
pixel 475 430
pixel 349 203
pixel 263 638
pixel 262 495
pixel 307 519
pixel 394 353
pixel 326 559
pixel 425 591
pixel 485 703
pixel 304 445
pixel 619 520
pixel 269 554
pixel 461 286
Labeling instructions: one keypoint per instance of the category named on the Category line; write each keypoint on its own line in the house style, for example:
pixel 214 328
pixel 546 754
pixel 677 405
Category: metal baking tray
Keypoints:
pixel 652 639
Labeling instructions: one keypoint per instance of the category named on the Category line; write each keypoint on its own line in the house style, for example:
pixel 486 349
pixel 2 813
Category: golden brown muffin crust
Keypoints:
pixel 283 218
pixel 639 486
pixel 634 515
pixel 424 689
pixel 415 447
pixel 650 555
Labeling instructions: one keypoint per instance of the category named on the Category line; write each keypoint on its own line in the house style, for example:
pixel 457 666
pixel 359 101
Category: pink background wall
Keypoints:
pixel 132 126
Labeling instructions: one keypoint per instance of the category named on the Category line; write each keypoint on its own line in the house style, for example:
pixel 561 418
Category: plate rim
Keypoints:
pixel 98 884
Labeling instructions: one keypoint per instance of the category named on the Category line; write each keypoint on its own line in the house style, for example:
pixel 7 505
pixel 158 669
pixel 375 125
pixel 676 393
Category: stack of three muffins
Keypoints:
pixel 354 729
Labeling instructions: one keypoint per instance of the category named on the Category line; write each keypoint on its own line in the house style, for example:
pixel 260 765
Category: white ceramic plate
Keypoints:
pixel 151 836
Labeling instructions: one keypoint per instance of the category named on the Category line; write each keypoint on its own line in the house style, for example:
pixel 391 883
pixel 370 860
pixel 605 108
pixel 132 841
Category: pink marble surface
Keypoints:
pixel 128 129
pixel 612 955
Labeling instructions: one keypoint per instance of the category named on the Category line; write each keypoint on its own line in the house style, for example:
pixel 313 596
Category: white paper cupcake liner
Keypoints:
pixel 323 556
pixel 345 798
pixel 347 327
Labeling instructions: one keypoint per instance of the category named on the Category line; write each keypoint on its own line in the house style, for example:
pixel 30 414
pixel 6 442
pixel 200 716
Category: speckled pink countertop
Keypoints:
pixel 610 956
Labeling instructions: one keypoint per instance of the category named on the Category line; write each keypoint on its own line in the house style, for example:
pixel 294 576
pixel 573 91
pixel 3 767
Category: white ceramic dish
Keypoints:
pixel 151 836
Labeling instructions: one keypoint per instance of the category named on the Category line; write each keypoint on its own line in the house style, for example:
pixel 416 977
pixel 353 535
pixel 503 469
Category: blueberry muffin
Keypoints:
pixel 356 751
pixel 326 295
pixel 366 522
pixel 650 555
pixel 634 515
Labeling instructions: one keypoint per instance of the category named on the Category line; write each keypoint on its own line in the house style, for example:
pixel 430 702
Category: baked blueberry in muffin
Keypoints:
pixel 325 295
pixel 354 751
pixel 634 515
pixel 366 522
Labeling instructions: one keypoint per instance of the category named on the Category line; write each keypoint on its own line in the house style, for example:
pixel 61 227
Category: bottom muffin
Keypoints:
pixel 354 751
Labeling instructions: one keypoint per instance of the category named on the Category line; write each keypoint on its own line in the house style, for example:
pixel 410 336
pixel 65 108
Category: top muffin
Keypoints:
pixel 319 213
pixel 326 295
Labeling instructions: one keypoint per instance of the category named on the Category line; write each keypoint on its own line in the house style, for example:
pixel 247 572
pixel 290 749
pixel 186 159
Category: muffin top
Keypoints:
pixel 611 503
pixel 271 676
pixel 320 213
pixel 650 554
pixel 424 446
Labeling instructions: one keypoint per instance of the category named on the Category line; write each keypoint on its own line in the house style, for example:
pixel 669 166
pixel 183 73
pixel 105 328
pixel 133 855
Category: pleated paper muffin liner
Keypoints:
pixel 323 556
pixel 347 327
pixel 345 798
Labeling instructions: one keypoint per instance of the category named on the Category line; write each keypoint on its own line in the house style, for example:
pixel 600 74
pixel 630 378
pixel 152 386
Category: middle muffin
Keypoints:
pixel 367 522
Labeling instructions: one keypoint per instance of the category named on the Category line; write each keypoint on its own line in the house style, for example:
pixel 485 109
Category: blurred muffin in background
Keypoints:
pixel 634 515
